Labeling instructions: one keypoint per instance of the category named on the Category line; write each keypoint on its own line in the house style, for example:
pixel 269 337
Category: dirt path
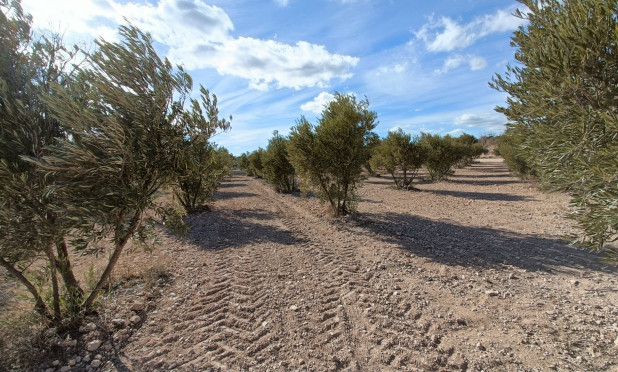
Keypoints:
pixel 468 274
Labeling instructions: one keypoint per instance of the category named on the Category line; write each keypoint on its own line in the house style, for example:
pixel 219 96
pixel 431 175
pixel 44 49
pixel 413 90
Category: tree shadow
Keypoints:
pixel 222 195
pixel 480 195
pixel 230 184
pixel 492 175
pixel 453 245
pixel 482 183
pixel 221 229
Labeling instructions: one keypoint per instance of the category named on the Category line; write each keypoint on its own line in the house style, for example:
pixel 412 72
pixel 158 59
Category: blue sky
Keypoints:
pixel 423 65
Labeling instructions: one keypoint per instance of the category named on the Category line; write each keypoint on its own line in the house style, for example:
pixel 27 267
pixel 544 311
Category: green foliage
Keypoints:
pixel 30 228
pixel 277 168
pixel 329 157
pixel 256 164
pixel 469 148
pixel 199 181
pixel 243 163
pixel 442 154
pixel 508 149
pixel 562 108
pixel 401 156
pixel 200 166
pixel 84 154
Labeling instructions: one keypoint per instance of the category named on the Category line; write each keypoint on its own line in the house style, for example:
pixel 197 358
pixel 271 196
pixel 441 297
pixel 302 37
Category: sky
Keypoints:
pixel 424 66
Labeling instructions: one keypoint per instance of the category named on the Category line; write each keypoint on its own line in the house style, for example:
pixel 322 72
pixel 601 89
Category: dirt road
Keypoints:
pixel 468 274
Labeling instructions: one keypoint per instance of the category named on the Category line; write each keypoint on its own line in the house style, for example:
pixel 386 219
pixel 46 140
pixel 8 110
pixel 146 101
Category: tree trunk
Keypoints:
pixel 135 221
pixel 54 281
pixel 39 306
pixel 75 292
pixel 395 179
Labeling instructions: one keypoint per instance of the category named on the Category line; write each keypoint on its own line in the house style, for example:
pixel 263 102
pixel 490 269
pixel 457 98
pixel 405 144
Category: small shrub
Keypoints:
pixel 330 156
pixel 277 168
pixel 401 156
pixel 442 154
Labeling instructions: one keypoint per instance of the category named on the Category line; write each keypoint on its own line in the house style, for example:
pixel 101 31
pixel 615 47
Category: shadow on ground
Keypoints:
pixel 480 195
pixel 220 229
pixel 451 244
pixel 221 195
pixel 484 182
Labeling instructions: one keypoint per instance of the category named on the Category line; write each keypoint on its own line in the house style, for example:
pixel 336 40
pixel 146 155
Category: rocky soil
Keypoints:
pixel 465 275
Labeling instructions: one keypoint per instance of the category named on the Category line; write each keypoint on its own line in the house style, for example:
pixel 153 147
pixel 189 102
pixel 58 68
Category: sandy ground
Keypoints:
pixel 469 274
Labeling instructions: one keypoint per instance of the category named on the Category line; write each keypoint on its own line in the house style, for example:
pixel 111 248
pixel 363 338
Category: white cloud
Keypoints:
pixel 477 63
pixel 199 36
pixel 452 62
pixel 446 34
pixel 268 62
pixel 492 121
pixel 318 103
pixel 282 2
pixel 456 132
pixel 396 68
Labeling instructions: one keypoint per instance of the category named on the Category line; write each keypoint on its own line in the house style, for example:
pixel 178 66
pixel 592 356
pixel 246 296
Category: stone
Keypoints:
pixel 616 341
pixel 87 358
pixel 492 293
pixel 71 342
pixel 293 307
pixel 138 306
pixel 95 363
pixel 89 327
pixel 65 369
pixel 135 319
pixel 119 322
pixel 93 345
pixel 72 362
pixel 56 363
pixel 480 346
pixel 50 370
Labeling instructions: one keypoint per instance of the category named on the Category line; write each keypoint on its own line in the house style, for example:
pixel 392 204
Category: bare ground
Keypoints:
pixel 469 274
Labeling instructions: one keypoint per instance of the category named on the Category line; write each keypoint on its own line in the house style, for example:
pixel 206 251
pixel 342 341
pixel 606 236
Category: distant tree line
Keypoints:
pixel 334 156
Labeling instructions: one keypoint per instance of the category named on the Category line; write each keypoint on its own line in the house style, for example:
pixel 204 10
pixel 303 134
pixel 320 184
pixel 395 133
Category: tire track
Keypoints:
pixel 302 287
pixel 342 323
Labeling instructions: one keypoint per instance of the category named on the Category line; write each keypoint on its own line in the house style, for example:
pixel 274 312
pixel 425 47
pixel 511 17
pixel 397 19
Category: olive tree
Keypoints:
pixel 563 110
pixel 256 164
pixel 329 156
pixel 31 229
pixel 401 156
pixel 277 168
pixel 83 156
pixel 200 167
pixel 441 155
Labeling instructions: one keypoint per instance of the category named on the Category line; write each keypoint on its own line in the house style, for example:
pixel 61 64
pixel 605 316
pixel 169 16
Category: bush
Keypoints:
pixel 470 150
pixel 256 163
pixel 277 168
pixel 197 182
pixel 508 148
pixel 329 157
pixel 442 154
pixel 401 156
pixel 243 163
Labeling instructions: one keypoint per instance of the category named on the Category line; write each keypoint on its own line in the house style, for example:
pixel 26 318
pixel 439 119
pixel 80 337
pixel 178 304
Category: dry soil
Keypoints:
pixel 469 274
